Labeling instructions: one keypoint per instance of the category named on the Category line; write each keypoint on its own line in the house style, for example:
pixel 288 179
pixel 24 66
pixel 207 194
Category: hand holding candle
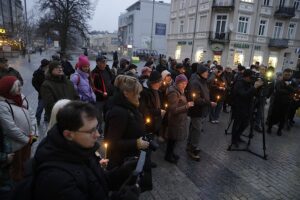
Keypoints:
pixel 218 98
pixel 194 95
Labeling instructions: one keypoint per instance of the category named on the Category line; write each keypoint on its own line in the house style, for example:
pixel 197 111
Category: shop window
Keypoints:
pixel 178 52
pixel 238 57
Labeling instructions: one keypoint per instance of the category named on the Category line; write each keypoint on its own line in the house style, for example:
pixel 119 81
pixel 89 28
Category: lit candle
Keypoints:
pixel 105 150
pixel 166 106
pixel 194 95
pixel 164 83
pixel 148 120
pixel 218 97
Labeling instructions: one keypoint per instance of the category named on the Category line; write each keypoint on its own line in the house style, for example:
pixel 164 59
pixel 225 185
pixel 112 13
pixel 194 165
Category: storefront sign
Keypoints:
pixel 181 42
pixel 217 47
pixel 242 46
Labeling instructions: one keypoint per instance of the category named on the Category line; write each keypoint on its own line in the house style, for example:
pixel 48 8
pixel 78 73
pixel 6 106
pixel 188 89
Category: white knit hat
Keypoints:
pixel 164 74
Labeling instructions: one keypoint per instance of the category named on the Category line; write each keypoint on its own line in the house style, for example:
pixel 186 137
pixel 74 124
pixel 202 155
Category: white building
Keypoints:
pixel 236 31
pixel 136 24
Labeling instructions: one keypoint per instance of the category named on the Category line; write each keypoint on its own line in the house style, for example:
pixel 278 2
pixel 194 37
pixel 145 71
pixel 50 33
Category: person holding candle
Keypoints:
pixel 177 118
pixel 66 165
pixel 125 127
pixel 198 113
pixel 217 93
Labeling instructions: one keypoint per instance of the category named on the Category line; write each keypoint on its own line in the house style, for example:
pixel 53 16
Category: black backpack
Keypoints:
pixel 24 190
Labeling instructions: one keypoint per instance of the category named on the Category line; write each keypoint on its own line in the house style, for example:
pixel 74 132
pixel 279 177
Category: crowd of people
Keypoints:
pixel 168 102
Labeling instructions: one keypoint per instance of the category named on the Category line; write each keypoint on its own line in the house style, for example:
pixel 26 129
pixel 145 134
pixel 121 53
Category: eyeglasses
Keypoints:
pixel 58 67
pixel 92 131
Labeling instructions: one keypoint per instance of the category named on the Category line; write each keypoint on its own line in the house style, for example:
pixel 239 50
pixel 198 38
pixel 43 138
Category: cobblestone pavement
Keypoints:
pixel 220 174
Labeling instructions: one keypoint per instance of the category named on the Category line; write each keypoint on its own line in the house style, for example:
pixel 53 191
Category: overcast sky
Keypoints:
pixel 106 13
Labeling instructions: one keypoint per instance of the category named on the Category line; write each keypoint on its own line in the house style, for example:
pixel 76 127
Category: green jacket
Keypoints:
pixel 54 89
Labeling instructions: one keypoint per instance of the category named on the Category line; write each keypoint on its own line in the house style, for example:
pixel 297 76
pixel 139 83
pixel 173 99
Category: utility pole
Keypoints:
pixel 195 29
pixel 152 24
pixel 27 33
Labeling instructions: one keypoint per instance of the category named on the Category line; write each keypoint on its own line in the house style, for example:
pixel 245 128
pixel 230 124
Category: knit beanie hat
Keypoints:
pixel 155 77
pixel 181 78
pixel 201 69
pixel 6 84
pixel 165 73
pixel 145 70
pixel 83 61
pixel 179 66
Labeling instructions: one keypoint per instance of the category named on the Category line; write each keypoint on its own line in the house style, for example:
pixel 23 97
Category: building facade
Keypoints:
pixel 11 16
pixel 104 42
pixel 236 31
pixel 145 26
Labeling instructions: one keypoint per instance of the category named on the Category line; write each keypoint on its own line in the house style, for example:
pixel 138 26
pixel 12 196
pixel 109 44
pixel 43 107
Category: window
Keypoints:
pixel 202 23
pixel 182 4
pixel 278 30
pixel 262 27
pixel 191 24
pixel 291 30
pixel 181 26
pixel 296 4
pixel 221 23
pixel 266 2
pixel 172 27
pixel 282 3
pixel 243 24
pixel 248 1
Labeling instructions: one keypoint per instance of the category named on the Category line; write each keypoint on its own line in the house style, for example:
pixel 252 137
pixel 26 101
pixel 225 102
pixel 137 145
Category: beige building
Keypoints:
pixel 107 42
pixel 236 31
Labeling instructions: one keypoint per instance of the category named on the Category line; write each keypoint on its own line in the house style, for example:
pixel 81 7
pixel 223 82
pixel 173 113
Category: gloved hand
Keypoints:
pixel 127 193
pixel 142 144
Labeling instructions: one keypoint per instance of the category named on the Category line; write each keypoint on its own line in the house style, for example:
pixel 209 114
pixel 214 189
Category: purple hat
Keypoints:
pixel 181 78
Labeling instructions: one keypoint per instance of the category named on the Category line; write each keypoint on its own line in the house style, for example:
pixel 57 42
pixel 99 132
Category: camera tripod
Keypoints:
pixel 259 100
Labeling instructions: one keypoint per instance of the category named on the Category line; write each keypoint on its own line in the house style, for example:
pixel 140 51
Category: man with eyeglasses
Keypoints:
pixel 5 70
pixel 56 87
pixel 67 166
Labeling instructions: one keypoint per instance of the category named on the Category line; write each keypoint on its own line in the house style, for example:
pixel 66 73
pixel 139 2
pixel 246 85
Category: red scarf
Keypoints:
pixel 6 83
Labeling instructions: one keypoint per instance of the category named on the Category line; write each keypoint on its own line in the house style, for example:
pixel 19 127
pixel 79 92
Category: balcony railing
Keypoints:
pixel 285 12
pixel 223 5
pixel 279 43
pixel 219 37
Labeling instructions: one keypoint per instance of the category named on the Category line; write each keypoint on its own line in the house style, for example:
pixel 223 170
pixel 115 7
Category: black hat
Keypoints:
pixel 45 62
pixel 201 69
pixel 132 66
pixel 179 66
pixel 3 60
pixel 149 64
pixel 247 73
pixel 101 59
pixel 155 77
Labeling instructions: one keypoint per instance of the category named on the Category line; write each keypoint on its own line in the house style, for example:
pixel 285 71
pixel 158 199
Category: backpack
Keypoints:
pixel 24 190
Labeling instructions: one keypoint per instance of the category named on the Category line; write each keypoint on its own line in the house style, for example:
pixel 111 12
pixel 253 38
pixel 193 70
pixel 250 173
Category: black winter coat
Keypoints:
pixel 199 86
pixel 243 93
pixel 151 108
pixel 98 80
pixel 54 89
pixel 84 179
pixel 37 80
pixel 124 125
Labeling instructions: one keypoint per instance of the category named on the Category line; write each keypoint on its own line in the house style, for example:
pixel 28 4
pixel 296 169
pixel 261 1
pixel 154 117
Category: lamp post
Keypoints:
pixel 151 40
pixel 27 33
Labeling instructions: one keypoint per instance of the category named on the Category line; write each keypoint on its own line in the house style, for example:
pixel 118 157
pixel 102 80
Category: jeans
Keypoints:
pixel 196 127
pixel 215 112
pixel 39 110
pixel 239 125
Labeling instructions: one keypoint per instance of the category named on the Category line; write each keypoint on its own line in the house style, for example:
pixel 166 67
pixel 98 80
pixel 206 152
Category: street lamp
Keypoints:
pixel 27 33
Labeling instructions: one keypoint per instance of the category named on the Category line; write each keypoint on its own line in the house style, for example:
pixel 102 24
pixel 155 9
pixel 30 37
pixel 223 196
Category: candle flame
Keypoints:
pixel 148 120
pixel 193 94
pixel 166 105
pixel 105 145
pixel 218 97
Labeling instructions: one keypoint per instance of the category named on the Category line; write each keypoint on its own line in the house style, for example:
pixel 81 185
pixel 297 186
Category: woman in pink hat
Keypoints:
pixel 81 80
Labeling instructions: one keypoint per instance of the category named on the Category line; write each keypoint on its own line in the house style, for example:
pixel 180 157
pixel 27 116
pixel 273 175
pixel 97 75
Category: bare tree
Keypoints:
pixel 66 16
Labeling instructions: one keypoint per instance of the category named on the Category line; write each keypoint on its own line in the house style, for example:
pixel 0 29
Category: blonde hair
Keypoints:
pixel 128 84
pixel 57 106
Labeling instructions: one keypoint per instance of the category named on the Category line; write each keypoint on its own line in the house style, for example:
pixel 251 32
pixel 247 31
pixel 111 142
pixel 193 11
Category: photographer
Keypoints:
pixel 125 126
pixel 66 166
pixel 243 93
